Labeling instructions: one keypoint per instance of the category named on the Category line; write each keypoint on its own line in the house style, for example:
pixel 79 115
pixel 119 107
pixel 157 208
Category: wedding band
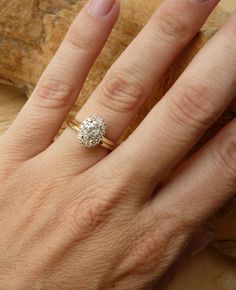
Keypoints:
pixel 91 132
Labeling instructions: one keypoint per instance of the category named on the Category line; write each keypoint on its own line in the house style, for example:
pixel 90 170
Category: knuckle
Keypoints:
pixel 144 251
pixel 80 40
pixel 225 154
pixel 171 26
pixel 153 240
pixel 121 92
pixel 54 93
pixel 147 245
pixel 192 105
pixel 89 213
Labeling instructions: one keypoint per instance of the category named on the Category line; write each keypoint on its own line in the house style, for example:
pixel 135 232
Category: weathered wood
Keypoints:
pixel 31 30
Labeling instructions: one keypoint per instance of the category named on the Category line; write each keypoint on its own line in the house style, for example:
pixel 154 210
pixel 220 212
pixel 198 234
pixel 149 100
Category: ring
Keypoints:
pixel 91 132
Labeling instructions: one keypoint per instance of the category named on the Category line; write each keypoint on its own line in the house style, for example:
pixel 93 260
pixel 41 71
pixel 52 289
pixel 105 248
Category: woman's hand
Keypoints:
pixel 77 218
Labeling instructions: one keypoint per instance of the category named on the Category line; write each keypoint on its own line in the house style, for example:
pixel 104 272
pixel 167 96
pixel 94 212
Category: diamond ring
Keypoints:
pixel 91 132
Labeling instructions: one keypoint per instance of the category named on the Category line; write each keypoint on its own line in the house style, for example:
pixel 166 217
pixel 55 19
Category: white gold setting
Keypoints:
pixel 92 131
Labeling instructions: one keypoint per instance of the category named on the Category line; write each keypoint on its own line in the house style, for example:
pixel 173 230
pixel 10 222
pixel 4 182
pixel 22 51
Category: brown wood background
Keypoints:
pixel 208 270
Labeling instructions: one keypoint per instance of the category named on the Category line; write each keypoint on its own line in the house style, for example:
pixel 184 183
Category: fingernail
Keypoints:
pixel 100 8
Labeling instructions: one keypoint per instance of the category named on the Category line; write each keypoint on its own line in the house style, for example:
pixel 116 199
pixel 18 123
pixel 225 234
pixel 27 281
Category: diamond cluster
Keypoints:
pixel 92 131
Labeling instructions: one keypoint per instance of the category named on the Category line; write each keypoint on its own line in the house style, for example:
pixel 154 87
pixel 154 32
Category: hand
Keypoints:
pixel 77 218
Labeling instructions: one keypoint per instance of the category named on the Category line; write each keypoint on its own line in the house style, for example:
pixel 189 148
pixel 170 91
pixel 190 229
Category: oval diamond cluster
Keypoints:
pixel 92 131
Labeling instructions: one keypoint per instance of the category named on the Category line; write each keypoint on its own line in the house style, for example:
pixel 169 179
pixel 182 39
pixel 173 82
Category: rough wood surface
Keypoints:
pixel 30 31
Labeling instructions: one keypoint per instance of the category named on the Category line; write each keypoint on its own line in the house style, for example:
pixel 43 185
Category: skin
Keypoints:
pixel 73 218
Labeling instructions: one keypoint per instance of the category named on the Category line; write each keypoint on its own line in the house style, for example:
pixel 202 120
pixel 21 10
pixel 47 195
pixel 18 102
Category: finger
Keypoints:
pixel 131 79
pixel 193 104
pixel 37 124
pixel 204 184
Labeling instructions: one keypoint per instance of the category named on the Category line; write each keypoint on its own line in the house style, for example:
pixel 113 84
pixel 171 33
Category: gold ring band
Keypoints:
pixel 83 129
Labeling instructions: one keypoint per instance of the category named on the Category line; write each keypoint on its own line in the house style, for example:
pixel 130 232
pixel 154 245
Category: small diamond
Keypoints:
pixel 92 131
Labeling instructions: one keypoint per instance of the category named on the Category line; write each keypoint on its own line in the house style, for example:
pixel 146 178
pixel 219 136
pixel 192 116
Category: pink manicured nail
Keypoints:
pixel 100 8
